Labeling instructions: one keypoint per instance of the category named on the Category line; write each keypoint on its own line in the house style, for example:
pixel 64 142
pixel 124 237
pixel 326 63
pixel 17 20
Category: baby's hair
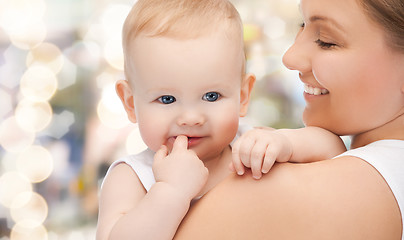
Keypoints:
pixel 181 19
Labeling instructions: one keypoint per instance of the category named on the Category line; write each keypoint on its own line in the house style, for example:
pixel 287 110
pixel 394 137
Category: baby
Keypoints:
pixel 186 88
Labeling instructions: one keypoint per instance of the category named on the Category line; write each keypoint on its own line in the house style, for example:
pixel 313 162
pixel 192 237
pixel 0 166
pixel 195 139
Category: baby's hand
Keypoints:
pixel 181 168
pixel 258 149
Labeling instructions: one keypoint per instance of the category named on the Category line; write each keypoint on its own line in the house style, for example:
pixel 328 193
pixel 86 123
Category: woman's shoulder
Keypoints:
pixel 343 198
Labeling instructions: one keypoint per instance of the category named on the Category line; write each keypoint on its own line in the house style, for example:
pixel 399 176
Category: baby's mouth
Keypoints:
pixel 191 140
pixel 315 90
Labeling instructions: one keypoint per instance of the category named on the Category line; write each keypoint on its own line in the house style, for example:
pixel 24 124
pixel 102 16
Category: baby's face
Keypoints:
pixel 187 87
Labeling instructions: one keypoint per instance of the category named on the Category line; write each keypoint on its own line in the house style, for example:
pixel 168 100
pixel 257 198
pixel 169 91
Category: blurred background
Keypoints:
pixel 61 123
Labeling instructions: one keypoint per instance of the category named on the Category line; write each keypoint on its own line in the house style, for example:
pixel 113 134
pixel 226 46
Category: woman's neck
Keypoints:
pixel 391 130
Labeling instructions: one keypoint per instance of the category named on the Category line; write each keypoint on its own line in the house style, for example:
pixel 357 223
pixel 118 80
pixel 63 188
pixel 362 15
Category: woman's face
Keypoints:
pixel 353 81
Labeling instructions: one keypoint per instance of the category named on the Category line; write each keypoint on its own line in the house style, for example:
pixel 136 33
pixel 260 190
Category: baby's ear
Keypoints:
pixel 125 93
pixel 246 88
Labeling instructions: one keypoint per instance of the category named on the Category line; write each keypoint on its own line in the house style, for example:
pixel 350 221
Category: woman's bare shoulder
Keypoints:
pixel 342 198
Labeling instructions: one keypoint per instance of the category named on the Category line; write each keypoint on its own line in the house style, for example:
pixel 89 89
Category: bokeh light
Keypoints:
pixel 29 207
pixel 113 52
pixel 11 185
pixel 22 20
pixel 18 15
pixel 84 53
pixel 251 32
pixel 12 66
pixel 111 117
pixel 110 110
pixel 112 20
pixel 13 138
pixel 134 142
pixel 32 36
pixel 5 103
pixel 38 113
pixel 46 54
pixel 113 17
pixel 28 230
pixel 275 27
pixel 35 163
pixel 38 83
pixel 67 75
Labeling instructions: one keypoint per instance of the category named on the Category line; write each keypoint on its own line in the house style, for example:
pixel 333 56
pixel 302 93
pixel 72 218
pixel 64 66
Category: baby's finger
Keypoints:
pixel 236 165
pixel 161 153
pixel 269 159
pixel 180 143
pixel 236 161
pixel 245 149
pixel 257 156
pixel 231 167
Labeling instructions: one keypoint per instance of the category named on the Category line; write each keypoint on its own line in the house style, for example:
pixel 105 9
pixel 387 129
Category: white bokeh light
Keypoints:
pixel 38 83
pixel 36 163
pixel 38 113
pixel 13 137
pixel 48 55
pixel 12 184
pixel 29 207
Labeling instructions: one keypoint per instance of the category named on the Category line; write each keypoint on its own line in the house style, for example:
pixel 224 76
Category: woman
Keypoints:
pixel 353 51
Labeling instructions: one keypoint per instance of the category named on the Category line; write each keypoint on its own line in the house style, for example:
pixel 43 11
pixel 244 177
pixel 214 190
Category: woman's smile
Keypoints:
pixel 315 90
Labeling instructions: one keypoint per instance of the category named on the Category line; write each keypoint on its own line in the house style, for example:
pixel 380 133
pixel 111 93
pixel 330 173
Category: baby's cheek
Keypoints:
pixel 229 127
pixel 151 136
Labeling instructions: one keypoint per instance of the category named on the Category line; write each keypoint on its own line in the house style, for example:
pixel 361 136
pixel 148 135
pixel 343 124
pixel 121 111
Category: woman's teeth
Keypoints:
pixel 314 90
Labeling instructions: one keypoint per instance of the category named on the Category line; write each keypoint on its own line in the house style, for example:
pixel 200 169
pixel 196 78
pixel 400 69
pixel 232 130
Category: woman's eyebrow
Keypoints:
pixel 317 18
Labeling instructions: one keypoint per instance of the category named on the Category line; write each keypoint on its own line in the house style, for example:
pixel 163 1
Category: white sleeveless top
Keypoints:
pixel 141 163
pixel 387 157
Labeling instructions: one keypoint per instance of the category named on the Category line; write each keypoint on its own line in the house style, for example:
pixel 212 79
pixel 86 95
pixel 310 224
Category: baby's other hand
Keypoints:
pixel 181 168
pixel 258 149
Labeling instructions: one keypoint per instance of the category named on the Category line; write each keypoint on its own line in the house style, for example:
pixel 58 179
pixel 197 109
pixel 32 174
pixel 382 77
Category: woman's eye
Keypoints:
pixel 324 45
pixel 166 99
pixel 211 96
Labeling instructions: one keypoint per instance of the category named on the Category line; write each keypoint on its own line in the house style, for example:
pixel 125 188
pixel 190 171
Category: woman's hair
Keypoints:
pixel 181 19
pixel 390 15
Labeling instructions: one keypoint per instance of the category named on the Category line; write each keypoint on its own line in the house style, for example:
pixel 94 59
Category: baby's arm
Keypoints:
pixel 128 212
pixel 259 148
pixel 312 144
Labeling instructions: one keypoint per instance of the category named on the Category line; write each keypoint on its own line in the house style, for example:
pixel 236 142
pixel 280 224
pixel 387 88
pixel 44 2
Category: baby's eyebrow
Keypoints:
pixel 164 90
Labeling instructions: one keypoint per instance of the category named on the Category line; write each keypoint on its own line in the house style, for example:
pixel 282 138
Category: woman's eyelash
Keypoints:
pixel 320 43
pixel 325 45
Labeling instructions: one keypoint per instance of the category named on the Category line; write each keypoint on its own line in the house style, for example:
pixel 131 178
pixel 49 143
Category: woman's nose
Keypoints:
pixel 191 118
pixel 297 57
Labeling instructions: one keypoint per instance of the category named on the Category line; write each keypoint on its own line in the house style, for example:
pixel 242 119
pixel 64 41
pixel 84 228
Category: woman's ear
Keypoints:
pixel 125 93
pixel 246 88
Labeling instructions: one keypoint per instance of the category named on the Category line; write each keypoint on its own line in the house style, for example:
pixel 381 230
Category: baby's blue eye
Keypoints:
pixel 211 96
pixel 167 99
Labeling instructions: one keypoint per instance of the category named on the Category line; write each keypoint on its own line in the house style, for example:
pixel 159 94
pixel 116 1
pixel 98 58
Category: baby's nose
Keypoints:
pixel 191 118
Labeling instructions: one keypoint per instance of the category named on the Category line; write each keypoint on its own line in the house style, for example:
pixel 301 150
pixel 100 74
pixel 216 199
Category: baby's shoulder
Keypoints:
pixel 122 176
